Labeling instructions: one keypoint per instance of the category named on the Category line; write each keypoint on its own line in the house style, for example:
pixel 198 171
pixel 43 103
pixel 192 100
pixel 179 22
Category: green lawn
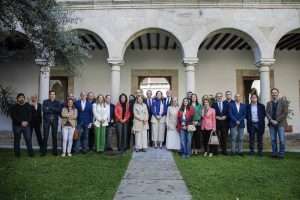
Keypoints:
pixel 91 176
pixel 242 178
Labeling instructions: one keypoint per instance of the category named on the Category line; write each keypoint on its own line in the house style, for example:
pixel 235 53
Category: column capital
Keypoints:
pixel 41 61
pixel 45 69
pixel 115 61
pixel 265 62
pixel 190 61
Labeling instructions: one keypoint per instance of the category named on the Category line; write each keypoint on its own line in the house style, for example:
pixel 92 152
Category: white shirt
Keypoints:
pixel 108 106
pixel 220 105
pixel 83 104
pixel 254 113
pixel 238 106
pixel 161 109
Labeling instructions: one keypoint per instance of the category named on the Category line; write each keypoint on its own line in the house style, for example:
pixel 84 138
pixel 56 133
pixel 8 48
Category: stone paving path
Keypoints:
pixel 152 176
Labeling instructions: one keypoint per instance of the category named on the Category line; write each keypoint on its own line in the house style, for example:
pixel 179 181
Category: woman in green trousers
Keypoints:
pixel 101 115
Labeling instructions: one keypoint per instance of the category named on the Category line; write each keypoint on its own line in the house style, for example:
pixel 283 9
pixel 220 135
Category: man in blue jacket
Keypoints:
pixel 256 124
pixel 84 122
pixel 237 114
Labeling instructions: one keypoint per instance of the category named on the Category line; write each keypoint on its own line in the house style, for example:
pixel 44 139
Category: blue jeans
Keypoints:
pixel 274 131
pixel 18 131
pixel 237 135
pixel 186 142
pixel 82 142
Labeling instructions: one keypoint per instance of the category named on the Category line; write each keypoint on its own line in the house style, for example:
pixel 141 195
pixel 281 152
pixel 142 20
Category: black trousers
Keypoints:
pixel 18 131
pixel 208 148
pixel 150 134
pixel 91 137
pixel 196 138
pixel 53 124
pixel 222 132
pixel 122 131
pixel 254 131
pixel 37 129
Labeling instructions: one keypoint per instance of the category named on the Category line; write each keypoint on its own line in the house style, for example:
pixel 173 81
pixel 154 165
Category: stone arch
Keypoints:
pixel 143 31
pixel 254 37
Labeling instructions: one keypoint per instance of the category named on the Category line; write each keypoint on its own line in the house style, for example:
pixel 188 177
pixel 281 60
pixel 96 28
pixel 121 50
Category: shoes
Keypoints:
pixel 205 154
pixel 210 155
pixel 69 154
pixel 63 155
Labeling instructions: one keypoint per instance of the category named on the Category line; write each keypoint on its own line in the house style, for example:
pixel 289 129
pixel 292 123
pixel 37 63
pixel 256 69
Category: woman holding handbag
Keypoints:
pixel 69 115
pixel 196 139
pixel 140 124
pixel 101 115
pixel 185 127
pixel 208 126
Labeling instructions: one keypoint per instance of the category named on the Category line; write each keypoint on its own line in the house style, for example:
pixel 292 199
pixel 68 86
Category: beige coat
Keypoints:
pixel 70 116
pixel 140 112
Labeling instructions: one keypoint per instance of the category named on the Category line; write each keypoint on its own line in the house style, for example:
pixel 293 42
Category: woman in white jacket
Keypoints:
pixel 101 116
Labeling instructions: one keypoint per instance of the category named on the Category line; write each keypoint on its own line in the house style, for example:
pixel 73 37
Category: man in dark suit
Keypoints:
pixel 51 113
pixel 110 129
pixel 148 101
pixel 91 99
pixel 221 109
pixel 168 98
pixel 36 120
pixel 237 113
pixel 255 124
pixel 84 122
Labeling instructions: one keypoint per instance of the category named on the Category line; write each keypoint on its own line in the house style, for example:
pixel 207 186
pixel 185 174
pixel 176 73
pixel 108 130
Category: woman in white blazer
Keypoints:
pixel 101 117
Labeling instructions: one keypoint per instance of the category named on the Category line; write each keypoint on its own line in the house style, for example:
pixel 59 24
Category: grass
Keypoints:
pixel 91 176
pixel 253 178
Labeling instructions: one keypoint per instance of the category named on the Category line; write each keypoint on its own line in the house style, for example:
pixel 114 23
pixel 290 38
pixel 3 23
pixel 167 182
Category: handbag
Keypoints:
pixel 191 128
pixel 76 134
pixel 213 139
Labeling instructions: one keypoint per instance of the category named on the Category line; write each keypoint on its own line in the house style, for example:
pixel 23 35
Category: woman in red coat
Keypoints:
pixel 122 116
pixel 185 118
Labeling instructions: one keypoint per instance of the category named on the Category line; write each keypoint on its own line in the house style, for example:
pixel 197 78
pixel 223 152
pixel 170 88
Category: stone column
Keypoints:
pixel 190 73
pixel 264 66
pixel 115 78
pixel 44 79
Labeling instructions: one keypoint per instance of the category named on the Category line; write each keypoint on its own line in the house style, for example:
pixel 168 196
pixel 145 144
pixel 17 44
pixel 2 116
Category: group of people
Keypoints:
pixel 87 123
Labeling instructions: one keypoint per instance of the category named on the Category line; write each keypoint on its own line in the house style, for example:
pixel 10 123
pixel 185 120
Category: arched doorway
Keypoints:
pixel 156 54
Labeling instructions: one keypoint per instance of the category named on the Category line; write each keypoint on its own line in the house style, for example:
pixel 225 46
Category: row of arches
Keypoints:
pixel 162 39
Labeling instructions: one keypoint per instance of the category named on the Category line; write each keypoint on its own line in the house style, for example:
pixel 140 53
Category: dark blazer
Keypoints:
pixel 36 115
pixel 237 116
pixel 149 106
pixel 51 108
pixel 112 114
pixel 85 116
pixel 224 110
pixel 156 107
pixel 170 101
pixel 261 117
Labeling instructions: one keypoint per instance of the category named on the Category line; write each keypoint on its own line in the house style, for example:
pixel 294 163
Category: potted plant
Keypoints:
pixel 288 128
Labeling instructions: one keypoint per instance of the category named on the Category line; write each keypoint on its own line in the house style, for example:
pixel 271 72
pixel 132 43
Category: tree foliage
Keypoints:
pixel 45 23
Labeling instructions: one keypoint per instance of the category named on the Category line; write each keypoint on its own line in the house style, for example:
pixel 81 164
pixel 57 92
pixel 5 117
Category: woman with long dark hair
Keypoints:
pixel 184 120
pixel 196 139
pixel 122 116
